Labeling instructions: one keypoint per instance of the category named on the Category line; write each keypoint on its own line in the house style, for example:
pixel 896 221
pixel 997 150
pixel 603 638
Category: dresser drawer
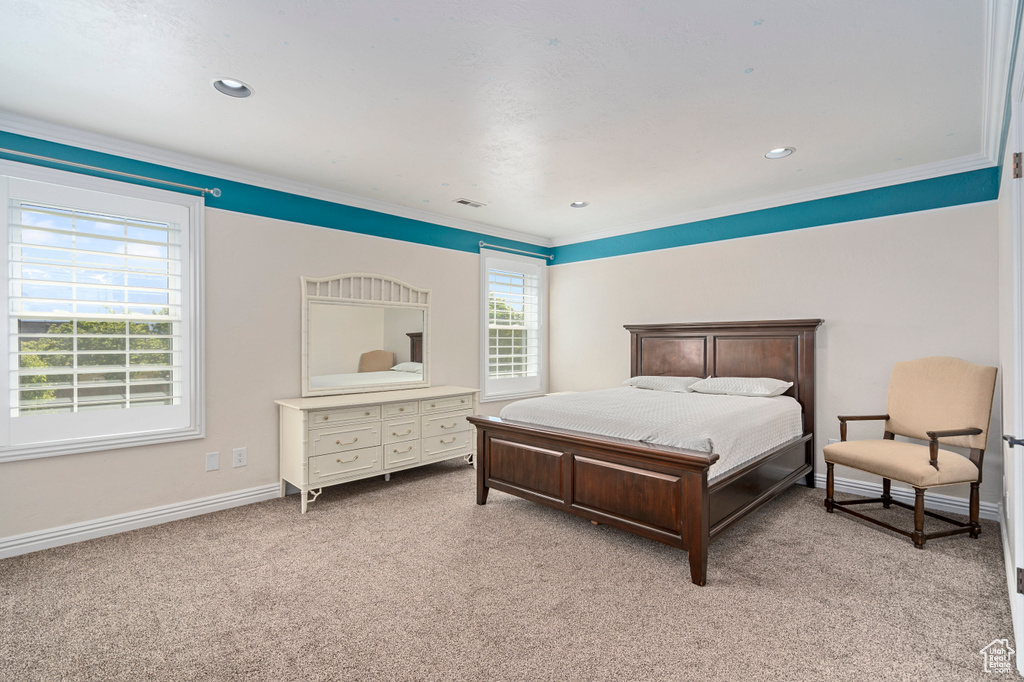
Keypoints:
pixel 400 454
pixel 341 416
pixel 343 438
pixel 444 404
pixel 398 430
pixel 351 463
pixel 401 409
pixel 443 424
pixel 437 446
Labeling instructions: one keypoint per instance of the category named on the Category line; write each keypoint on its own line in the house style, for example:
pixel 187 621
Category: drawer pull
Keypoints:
pixel 326 417
pixel 367 413
pixel 338 442
pixel 433 404
pixel 454 424
pixel 348 460
pixel 401 409
pixel 448 442
pixel 463 401
pixel 395 450
pixel 393 433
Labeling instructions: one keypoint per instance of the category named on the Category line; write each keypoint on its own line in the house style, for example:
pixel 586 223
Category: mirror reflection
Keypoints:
pixel 352 346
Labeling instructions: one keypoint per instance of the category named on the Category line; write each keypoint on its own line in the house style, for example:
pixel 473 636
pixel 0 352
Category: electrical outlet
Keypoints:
pixel 238 457
pixel 833 440
pixel 212 461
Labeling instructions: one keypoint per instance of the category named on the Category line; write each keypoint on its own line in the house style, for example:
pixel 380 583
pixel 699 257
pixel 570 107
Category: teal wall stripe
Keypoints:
pixel 921 195
pixel 950 190
pixel 253 200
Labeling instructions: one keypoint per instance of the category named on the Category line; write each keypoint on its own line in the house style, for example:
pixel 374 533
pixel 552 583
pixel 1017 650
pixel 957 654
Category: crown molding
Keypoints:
pixel 21 125
pixel 925 172
pixel 1000 28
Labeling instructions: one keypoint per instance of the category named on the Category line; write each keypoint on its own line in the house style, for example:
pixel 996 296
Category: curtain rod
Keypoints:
pixel 528 253
pixel 215 192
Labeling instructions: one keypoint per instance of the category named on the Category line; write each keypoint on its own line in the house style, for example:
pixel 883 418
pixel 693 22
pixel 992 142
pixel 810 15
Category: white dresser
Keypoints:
pixel 335 439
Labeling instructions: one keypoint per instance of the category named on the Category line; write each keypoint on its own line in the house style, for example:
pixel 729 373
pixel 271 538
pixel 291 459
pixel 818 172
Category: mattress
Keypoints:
pixel 735 428
pixel 363 379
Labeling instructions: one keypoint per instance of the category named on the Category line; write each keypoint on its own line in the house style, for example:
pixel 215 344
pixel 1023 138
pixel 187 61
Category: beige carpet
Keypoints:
pixel 411 580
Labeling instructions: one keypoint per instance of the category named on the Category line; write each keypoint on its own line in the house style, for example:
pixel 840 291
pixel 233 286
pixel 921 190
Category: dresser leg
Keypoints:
pixel 305 501
pixel 387 477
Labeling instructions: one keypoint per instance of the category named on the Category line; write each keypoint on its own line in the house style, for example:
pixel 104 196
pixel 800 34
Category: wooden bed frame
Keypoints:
pixel 659 492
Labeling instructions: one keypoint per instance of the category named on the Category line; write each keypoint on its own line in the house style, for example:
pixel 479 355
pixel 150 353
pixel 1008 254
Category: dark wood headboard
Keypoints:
pixel 780 349
pixel 415 346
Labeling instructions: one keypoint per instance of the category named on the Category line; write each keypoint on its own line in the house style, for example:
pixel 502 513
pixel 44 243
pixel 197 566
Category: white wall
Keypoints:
pixel 398 323
pixel 253 321
pixel 889 289
pixel 343 334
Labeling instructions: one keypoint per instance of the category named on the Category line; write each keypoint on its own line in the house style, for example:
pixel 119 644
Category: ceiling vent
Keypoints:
pixel 469 202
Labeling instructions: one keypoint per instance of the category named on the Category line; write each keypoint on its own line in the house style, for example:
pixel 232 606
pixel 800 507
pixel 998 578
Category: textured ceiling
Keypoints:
pixel 649 111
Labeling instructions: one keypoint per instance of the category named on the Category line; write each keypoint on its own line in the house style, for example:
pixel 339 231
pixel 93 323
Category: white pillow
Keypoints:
pixel 748 386
pixel 674 384
pixel 409 367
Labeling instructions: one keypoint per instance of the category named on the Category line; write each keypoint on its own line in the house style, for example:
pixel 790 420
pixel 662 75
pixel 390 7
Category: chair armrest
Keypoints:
pixel 933 442
pixel 857 418
pixel 935 435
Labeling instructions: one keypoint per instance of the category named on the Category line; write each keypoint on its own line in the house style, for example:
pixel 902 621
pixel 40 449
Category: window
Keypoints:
pixel 103 325
pixel 513 338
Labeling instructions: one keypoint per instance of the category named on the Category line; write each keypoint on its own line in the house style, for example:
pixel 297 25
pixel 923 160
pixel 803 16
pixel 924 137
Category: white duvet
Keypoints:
pixel 363 378
pixel 735 428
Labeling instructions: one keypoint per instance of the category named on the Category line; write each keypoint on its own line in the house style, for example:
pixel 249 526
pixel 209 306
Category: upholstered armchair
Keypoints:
pixel 938 400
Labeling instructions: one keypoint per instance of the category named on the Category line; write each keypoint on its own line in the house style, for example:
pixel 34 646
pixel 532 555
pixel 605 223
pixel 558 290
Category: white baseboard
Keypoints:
pixel 933 501
pixel 86 530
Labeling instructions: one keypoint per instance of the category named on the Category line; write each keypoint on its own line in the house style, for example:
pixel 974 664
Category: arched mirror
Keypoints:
pixel 363 332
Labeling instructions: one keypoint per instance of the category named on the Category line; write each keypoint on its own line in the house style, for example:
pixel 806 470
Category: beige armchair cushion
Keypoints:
pixel 376 361
pixel 938 394
pixel 900 461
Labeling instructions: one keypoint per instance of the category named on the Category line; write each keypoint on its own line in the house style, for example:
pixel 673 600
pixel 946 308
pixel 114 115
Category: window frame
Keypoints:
pixel 110 429
pixel 491 389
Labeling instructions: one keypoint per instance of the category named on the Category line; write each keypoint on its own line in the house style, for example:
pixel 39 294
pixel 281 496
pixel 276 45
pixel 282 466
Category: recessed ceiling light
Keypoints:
pixel 580 204
pixel 780 153
pixel 232 87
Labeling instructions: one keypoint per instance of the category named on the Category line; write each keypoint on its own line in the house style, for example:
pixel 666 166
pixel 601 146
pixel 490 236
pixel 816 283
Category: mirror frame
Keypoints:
pixel 363 289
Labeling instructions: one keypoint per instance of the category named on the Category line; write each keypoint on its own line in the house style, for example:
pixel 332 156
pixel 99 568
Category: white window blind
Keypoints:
pixel 103 324
pixel 514 297
pixel 513 325
pixel 96 310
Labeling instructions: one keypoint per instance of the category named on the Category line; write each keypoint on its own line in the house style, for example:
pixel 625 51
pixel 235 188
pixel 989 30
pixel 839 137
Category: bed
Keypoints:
pixel 656 491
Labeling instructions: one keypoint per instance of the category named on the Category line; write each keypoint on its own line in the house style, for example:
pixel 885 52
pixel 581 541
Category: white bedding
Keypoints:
pixel 362 378
pixel 736 428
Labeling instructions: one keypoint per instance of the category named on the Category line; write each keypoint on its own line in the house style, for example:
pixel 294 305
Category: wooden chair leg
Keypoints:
pixel 886 493
pixel 830 484
pixel 975 511
pixel 918 536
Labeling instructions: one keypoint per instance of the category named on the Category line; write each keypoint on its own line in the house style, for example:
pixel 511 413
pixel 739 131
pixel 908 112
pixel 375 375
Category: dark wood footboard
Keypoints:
pixel 658 493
